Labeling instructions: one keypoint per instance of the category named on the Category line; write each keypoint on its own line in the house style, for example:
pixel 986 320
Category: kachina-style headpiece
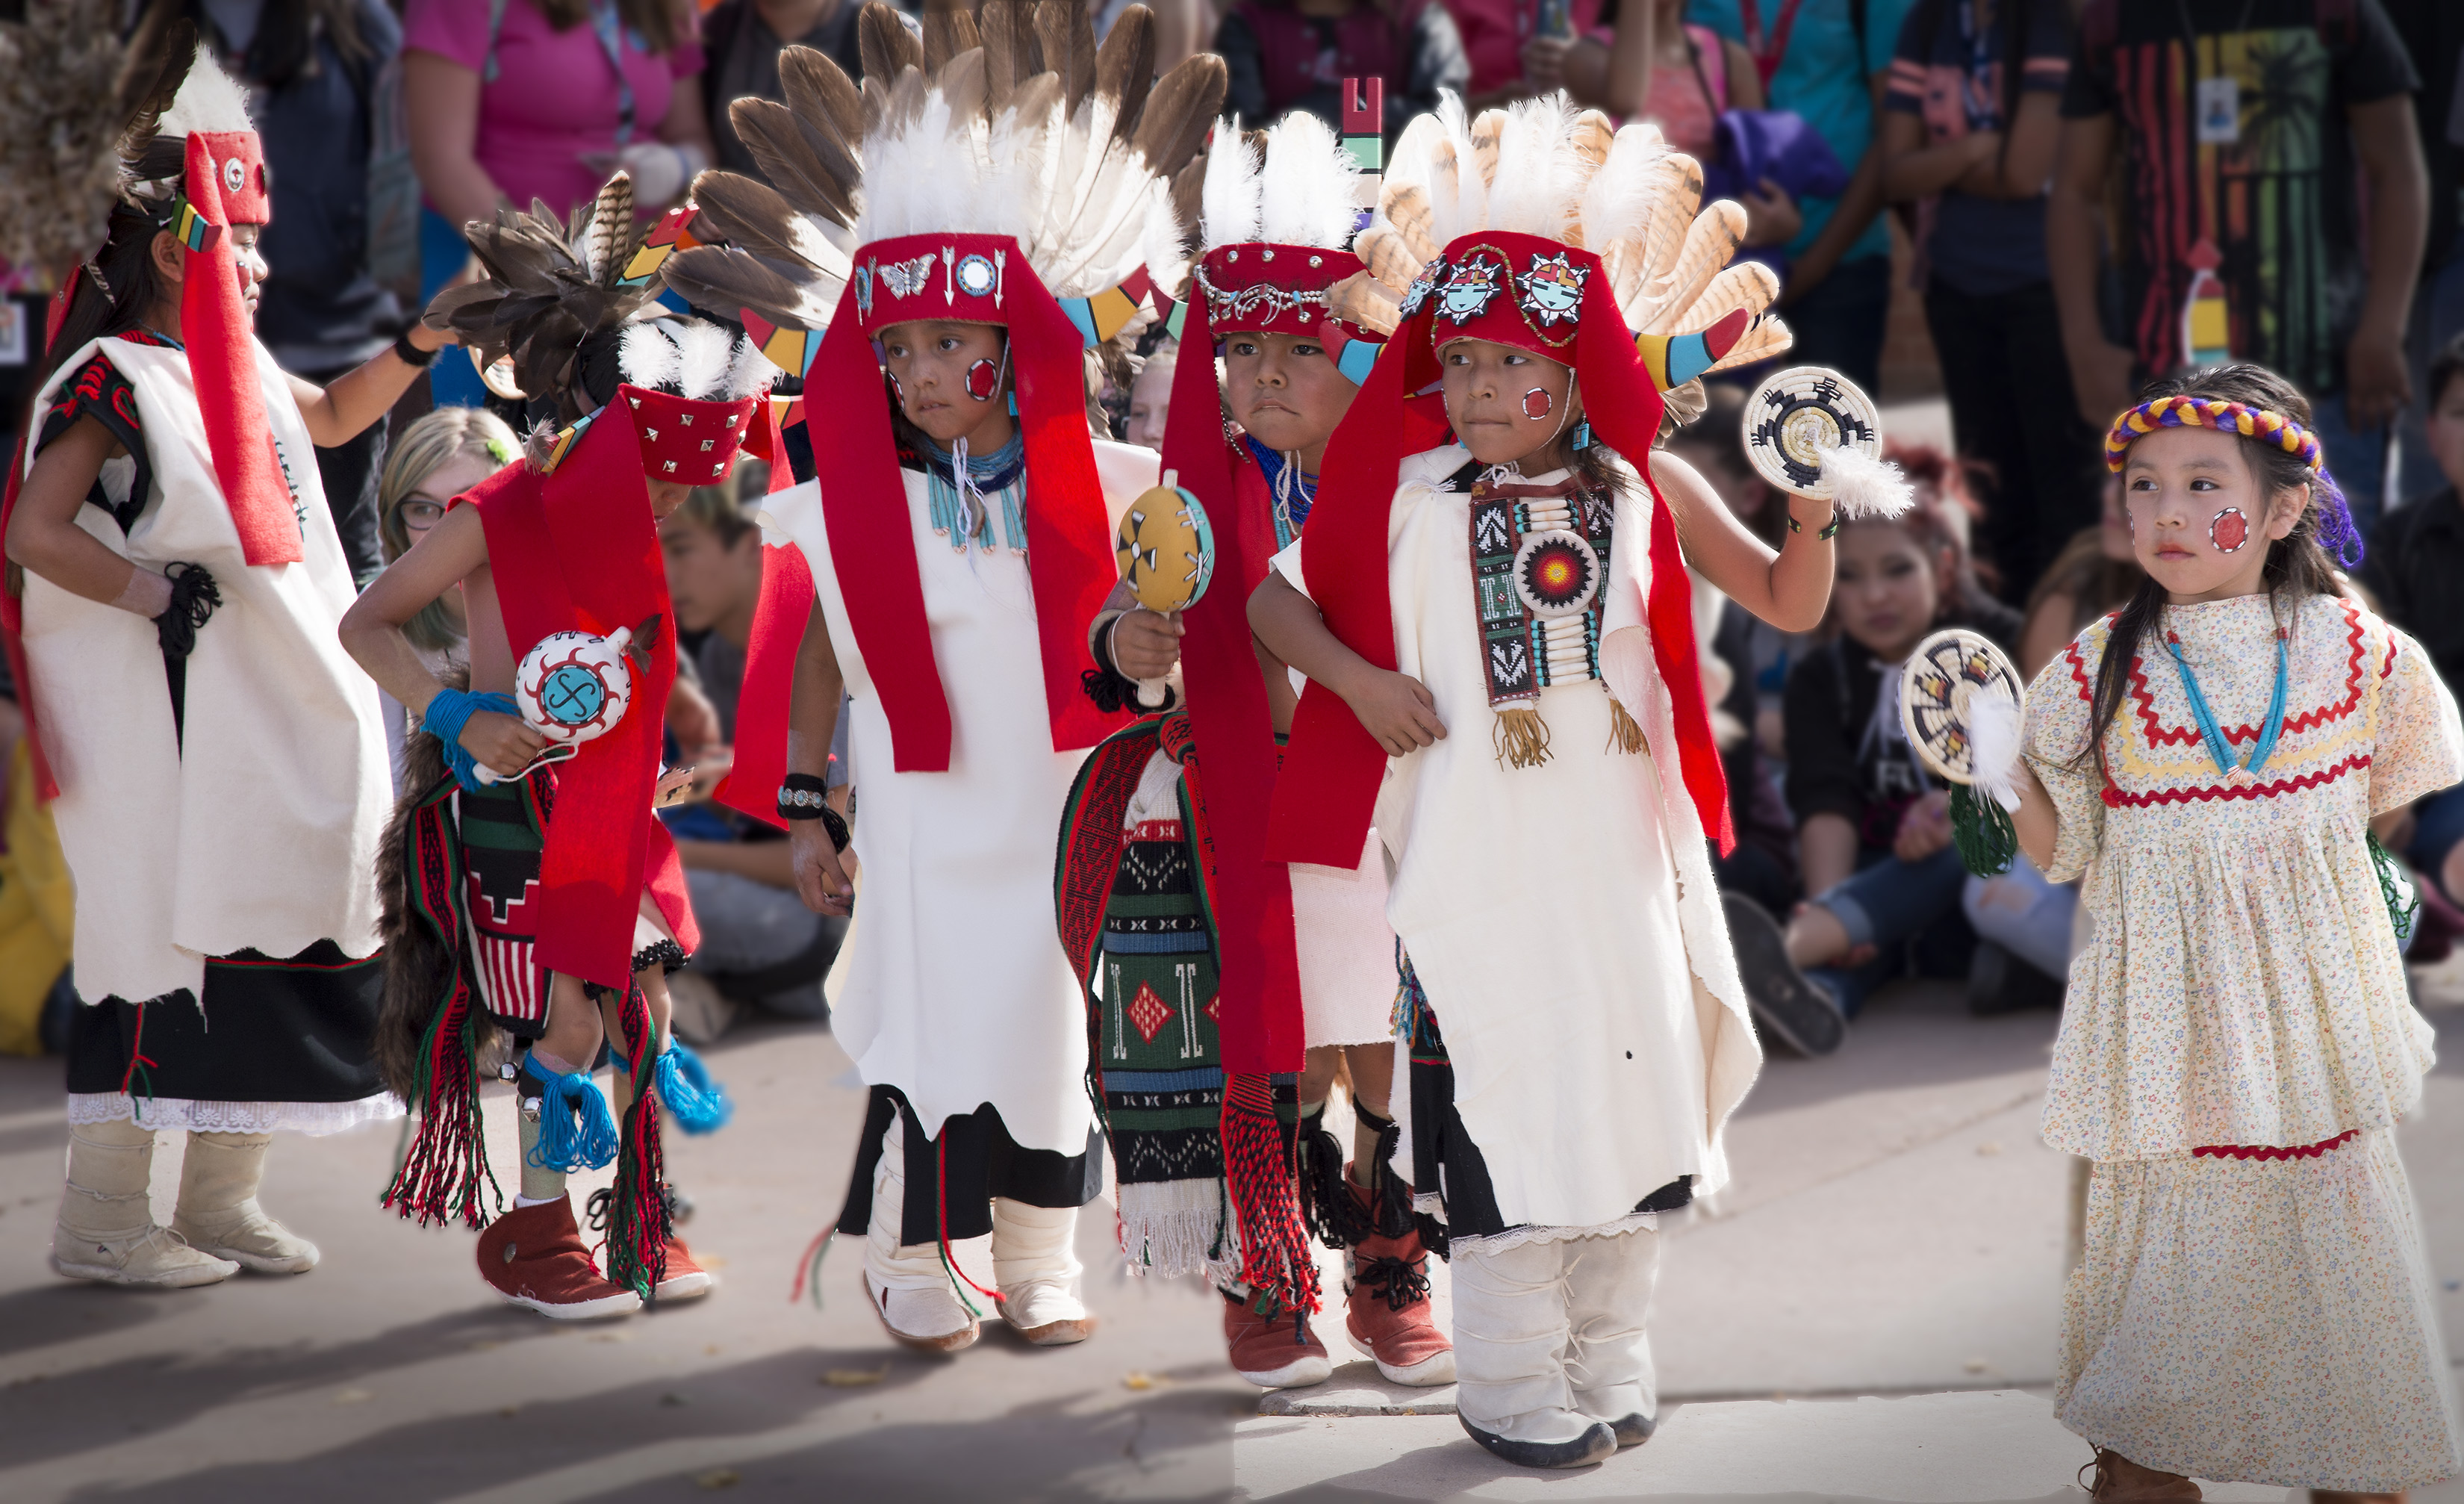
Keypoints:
pixel 569 308
pixel 2336 532
pixel 1539 227
pixel 1000 171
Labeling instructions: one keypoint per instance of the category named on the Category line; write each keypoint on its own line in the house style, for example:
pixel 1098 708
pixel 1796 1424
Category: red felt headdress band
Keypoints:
pixel 983 280
pixel 1332 767
pixel 226 184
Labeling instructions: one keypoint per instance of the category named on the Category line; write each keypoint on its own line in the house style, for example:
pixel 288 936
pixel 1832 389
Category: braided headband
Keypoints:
pixel 2265 426
pixel 2335 529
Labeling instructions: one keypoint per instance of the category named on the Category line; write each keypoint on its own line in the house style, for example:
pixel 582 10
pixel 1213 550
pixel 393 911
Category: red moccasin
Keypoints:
pixel 1278 1352
pixel 534 1256
pixel 1386 1310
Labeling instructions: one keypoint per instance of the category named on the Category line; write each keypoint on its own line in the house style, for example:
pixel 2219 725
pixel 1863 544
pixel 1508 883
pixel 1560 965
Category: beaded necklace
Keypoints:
pixel 1294 489
pixel 2212 736
pixel 957 484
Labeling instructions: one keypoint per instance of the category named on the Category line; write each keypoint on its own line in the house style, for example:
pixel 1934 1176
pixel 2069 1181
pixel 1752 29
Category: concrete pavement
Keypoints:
pixel 1894 1231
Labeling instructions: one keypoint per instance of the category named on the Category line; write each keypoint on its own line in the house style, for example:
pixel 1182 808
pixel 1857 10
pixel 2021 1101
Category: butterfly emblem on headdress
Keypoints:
pixel 1422 286
pixel 1470 288
pixel 1552 289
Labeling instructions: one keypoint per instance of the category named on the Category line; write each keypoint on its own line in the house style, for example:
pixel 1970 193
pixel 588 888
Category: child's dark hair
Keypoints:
pixel 117 288
pixel 2296 566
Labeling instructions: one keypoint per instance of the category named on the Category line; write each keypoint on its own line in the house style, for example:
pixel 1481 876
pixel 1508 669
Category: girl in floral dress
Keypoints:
pixel 2238 1045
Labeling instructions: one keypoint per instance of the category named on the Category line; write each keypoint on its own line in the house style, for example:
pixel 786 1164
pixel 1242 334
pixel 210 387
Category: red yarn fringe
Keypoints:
pixel 441 1177
pixel 638 1224
pixel 1276 1261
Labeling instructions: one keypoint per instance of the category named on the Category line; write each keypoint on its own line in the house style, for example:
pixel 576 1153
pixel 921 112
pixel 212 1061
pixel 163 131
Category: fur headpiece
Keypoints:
pixel 559 304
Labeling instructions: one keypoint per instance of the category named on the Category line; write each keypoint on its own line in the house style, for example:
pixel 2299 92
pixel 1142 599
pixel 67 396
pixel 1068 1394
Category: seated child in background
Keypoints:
pixel 758 940
pixel 1757 653
pixel 1874 828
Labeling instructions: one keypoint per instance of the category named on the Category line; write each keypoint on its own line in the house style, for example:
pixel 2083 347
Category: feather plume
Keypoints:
pixel 1766 338
pixel 885 44
pixel 1864 485
pixel 1181 111
pixel 1750 285
pixel 789 152
pixel 730 282
pixel 1010 55
pixel 820 92
pixel 1709 241
pixel 1388 259
pixel 1188 187
pixel 1486 135
pixel 1404 208
pixel 1594 134
pixel 1366 300
pixel 744 213
pixel 947 32
pixel 649 356
pixel 209 100
pixel 1067 33
pixel 1231 195
pixel 1535 177
pixel 155 63
pixel 1125 67
pixel 610 234
pixel 1308 189
pixel 704 352
pixel 749 372
pixel 1993 743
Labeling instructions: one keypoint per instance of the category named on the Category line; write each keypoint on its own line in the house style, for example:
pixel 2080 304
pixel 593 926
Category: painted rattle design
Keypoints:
pixel 1166 551
pixel 573 687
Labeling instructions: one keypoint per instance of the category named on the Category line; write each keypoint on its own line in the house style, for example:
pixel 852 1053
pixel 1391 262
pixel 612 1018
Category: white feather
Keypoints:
pixel 750 373
pixel 1458 201
pixel 1310 189
pixel 704 352
pixel 1227 201
pixel 1537 191
pixel 1864 486
pixel 1994 739
pixel 647 355
pixel 209 100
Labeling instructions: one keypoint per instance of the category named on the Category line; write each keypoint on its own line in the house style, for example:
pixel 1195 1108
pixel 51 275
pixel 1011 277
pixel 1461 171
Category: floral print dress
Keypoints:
pixel 2236 1047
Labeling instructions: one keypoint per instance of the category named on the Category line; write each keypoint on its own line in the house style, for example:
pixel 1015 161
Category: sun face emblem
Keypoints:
pixel 1556 574
pixel 1554 288
pixel 1470 288
pixel 1422 286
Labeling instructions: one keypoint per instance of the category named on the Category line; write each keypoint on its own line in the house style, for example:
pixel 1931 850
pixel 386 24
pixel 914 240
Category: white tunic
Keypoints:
pixel 957 991
pixel 258 829
pixel 1561 917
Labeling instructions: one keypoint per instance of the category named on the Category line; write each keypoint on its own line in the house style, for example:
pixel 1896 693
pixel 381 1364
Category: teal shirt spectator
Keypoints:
pixel 1826 75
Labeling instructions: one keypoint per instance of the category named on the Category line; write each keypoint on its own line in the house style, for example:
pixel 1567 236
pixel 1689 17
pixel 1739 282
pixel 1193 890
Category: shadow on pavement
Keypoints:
pixel 73 1312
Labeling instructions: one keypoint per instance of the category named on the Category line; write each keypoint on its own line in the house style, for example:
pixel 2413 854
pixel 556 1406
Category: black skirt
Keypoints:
pixel 292 1029
pixel 953 1178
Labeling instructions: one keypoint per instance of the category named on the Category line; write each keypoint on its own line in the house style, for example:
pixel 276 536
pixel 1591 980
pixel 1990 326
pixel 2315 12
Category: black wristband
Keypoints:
pixel 803 797
pixel 409 354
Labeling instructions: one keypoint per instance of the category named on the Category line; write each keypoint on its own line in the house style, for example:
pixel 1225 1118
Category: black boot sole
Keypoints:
pixel 1790 1009
pixel 1593 1446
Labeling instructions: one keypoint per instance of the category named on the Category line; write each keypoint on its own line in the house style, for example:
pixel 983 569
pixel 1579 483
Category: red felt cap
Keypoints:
pixel 1273 289
pixel 684 440
pixel 964 277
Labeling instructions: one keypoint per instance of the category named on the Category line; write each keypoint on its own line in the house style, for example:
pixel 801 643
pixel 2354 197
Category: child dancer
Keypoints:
pixel 1505 668
pixel 545 901
pixel 2239 1046
pixel 1275 229
pixel 220 763
pixel 957 541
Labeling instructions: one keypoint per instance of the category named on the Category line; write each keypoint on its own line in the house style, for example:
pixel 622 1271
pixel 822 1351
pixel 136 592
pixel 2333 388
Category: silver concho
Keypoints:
pixel 975 276
pixel 234 175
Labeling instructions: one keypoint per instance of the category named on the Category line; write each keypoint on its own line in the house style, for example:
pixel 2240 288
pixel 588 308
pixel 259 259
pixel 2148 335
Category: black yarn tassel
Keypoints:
pixel 194 596
pixel 1327 1204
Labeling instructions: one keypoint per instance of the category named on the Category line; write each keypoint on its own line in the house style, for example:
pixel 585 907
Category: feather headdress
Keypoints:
pixel 1278 209
pixel 1008 123
pixel 1541 169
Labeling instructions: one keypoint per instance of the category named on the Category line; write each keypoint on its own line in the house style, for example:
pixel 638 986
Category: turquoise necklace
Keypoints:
pixel 2211 735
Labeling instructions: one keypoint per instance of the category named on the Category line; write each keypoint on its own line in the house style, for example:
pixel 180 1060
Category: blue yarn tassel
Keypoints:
pixel 698 1103
pixel 576 1129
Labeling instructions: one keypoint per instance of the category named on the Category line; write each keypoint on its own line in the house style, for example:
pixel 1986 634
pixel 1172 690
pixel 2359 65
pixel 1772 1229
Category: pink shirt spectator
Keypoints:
pixel 553 97
pixel 1687 117
pixel 1494 31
